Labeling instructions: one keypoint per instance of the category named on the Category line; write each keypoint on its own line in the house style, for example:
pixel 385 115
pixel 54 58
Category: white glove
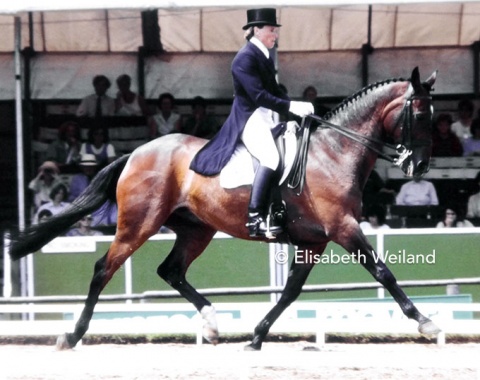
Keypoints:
pixel 301 109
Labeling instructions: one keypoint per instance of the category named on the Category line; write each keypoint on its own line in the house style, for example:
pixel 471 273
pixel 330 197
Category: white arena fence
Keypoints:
pixel 59 313
pixel 117 314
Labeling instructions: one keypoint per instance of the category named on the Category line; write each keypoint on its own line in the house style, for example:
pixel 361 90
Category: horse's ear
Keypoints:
pixel 431 79
pixel 415 80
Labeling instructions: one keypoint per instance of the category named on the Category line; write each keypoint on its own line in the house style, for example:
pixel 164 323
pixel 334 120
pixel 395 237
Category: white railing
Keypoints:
pixel 252 290
pixel 319 318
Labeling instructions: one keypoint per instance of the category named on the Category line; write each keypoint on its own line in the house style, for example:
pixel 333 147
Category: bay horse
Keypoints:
pixel 154 186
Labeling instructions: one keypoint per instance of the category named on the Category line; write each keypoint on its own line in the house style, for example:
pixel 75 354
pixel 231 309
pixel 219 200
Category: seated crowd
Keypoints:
pixel 429 203
pixel 416 204
pixel 69 162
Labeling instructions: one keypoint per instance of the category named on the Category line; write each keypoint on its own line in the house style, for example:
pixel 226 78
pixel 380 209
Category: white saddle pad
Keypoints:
pixel 240 169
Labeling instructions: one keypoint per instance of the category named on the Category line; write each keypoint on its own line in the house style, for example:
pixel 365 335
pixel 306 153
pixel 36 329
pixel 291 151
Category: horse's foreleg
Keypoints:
pixel 190 243
pixel 379 270
pixel 296 279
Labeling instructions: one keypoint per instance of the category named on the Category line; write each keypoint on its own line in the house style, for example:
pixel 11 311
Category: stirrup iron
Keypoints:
pixel 258 227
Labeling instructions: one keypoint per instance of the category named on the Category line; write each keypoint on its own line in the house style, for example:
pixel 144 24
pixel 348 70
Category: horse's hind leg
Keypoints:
pixel 70 340
pixel 297 276
pixel 192 238
pixel 104 269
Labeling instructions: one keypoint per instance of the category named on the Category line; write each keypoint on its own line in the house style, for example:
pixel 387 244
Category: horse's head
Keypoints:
pixel 414 120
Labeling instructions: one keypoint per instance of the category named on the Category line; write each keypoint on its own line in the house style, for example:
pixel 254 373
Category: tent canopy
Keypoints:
pixel 60 5
pixel 213 26
pixel 76 40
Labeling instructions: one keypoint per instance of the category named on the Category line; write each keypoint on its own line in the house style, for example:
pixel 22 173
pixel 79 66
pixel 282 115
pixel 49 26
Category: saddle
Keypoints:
pixel 240 170
pixel 292 145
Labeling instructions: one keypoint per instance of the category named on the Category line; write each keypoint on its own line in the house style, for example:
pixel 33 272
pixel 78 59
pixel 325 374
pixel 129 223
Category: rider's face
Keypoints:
pixel 267 35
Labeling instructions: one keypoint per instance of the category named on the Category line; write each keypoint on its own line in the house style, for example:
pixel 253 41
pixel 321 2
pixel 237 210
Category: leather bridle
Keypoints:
pixel 407 121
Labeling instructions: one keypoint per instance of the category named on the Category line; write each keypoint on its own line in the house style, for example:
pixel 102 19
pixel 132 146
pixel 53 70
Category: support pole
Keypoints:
pixel 26 264
pixel 7 268
pixel 141 70
pixel 476 69
pixel 19 124
pixel 367 49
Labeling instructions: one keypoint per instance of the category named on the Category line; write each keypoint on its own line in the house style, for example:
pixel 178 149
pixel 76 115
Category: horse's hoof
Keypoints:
pixel 428 328
pixel 62 343
pixel 210 335
pixel 210 329
pixel 251 347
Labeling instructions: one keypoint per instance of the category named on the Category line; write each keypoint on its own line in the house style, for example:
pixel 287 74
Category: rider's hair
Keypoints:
pixel 250 32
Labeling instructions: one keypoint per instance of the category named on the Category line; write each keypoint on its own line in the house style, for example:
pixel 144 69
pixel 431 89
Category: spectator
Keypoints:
pixel 44 215
pixel 65 150
pixel 417 192
pixel 46 179
pixel 57 204
pixel 98 144
pixel 128 103
pixel 200 124
pixel 89 168
pixel 166 120
pixel 473 208
pixel 451 219
pixel 471 145
pixel 84 228
pixel 310 95
pixel 375 215
pixel 465 114
pixel 445 142
pixel 98 104
pixel 107 213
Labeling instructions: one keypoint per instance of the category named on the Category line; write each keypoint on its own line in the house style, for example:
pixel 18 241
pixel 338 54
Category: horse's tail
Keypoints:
pixel 102 188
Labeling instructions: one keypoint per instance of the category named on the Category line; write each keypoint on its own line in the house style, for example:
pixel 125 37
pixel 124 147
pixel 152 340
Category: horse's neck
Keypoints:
pixel 363 117
pixel 364 129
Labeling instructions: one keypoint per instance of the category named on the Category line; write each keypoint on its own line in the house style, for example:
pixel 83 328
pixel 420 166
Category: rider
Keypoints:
pixel 257 96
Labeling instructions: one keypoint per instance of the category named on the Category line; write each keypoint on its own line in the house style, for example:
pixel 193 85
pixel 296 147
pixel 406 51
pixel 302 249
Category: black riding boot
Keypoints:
pixel 257 225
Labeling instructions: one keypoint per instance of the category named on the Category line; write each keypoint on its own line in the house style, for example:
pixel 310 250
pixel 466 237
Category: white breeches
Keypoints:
pixel 258 139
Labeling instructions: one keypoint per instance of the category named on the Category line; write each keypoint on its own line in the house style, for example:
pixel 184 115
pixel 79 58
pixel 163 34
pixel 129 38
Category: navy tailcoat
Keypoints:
pixel 255 86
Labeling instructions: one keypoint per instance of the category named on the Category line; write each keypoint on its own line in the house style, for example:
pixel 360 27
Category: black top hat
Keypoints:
pixel 262 16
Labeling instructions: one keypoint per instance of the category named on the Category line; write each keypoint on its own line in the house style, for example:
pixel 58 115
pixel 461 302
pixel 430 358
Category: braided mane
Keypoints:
pixel 359 95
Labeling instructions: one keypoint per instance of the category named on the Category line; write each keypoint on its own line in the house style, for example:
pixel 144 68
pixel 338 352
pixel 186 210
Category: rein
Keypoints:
pixel 355 136
pixel 297 178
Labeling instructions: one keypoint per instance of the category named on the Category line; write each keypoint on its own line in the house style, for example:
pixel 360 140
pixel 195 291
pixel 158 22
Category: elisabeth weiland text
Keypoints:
pixel 389 257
